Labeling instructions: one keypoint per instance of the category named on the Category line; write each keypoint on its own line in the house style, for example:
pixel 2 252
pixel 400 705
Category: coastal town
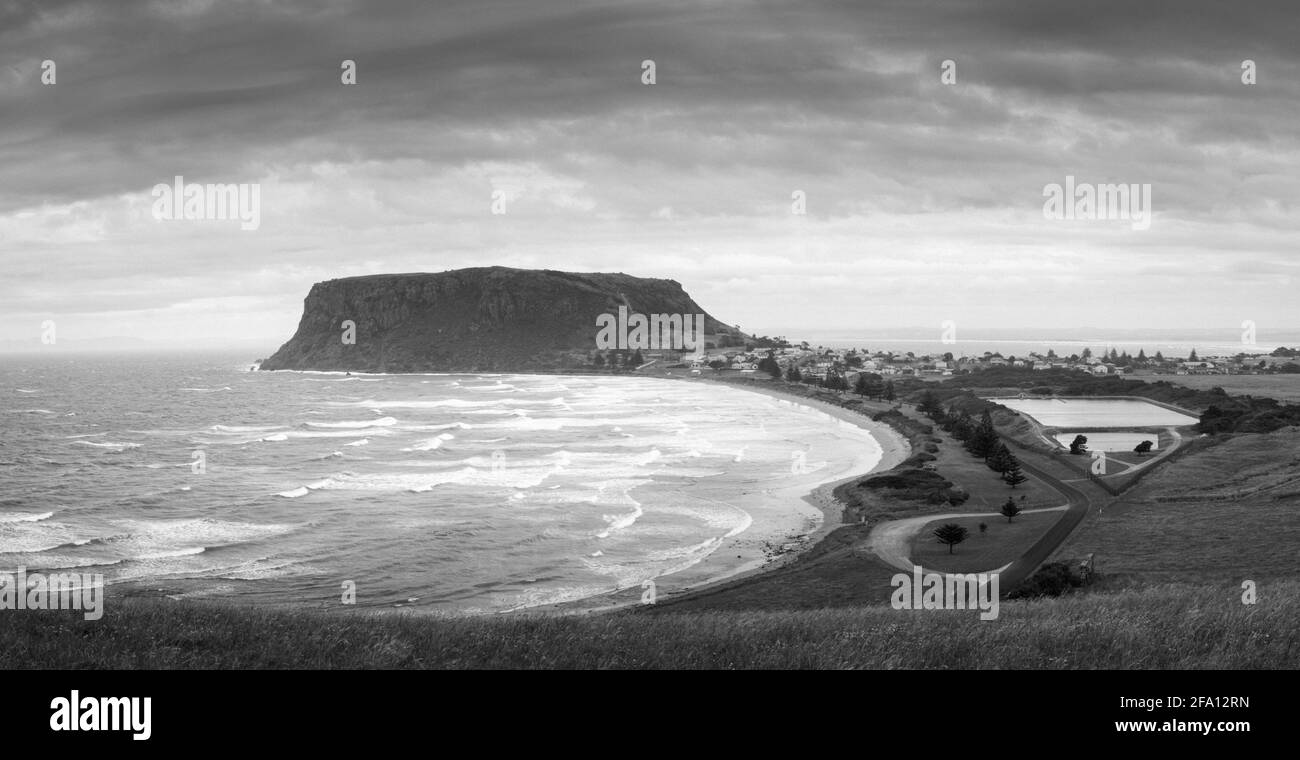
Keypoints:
pixel 824 365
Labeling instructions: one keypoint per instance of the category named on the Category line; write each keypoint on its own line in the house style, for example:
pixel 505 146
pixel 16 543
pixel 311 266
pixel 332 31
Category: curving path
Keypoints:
pixel 891 541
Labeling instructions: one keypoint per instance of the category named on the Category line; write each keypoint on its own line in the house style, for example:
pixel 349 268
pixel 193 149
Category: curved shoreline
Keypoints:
pixel 894 448
pixel 748 555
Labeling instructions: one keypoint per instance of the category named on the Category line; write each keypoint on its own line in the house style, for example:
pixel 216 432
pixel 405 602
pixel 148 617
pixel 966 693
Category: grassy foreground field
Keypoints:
pixel 1156 628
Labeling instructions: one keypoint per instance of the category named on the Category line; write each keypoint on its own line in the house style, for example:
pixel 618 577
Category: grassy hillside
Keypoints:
pixel 1161 627
pixel 1223 514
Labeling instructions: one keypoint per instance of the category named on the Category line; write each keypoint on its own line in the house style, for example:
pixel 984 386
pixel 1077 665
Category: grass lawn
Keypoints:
pixel 1002 543
pixel 1183 626
pixel 1284 388
pixel 1228 513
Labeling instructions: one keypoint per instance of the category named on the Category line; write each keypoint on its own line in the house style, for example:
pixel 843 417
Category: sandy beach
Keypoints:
pixel 746 555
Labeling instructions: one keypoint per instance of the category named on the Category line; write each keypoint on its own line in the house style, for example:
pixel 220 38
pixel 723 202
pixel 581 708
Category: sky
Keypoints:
pixel 922 183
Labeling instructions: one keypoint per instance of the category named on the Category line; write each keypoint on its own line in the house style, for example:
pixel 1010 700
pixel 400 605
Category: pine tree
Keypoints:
pixel 1001 459
pixel 984 440
pixel 1012 475
pixel 890 394
pixel 950 534
pixel 1192 356
pixel 1010 509
pixel 793 375
pixel 1142 356
pixel 964 427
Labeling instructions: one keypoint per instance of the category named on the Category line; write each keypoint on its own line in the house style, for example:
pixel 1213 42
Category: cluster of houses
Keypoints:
pixel 819 361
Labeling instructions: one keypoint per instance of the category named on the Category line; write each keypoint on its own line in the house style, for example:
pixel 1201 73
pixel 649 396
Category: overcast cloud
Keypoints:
pixel 924 200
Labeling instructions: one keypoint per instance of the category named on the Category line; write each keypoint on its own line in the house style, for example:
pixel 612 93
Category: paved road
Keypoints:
pixel 1078 502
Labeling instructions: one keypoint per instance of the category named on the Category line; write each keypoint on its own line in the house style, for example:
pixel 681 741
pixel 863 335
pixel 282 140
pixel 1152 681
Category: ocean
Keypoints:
pixel 193 477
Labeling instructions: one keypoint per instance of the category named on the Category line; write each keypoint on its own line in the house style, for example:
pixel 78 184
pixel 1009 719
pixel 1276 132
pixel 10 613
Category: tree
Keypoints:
pixel 769 365
pixel 1079 445
pixel 984 440
pixel 860 387
pixel 964 427
pixel 1192 356
pixel 637 359
pixel 1142 356
pixel 1012 475
pixel 1001 459
pixel 717 365
pixel 1087 354
pixel 984 527
pixel 1010 509
pixel 1160 358
pixel 950 534
pixel 598 360
pixel 1143 448
pixel 874 386
pixel 792 374
pixel 890 394
pixel 930 406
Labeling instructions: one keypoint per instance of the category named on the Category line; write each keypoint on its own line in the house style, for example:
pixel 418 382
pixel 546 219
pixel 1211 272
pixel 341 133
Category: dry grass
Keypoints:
pixel 1163 627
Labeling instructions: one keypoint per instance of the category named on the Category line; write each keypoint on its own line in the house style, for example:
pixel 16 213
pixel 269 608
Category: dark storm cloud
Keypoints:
pixel 147 91
pixel 754 99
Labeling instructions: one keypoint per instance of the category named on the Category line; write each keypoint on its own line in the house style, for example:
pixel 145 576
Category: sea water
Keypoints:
pixel 194 477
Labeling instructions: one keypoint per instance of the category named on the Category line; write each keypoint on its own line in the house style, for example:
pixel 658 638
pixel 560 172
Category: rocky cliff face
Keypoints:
pixel 487 319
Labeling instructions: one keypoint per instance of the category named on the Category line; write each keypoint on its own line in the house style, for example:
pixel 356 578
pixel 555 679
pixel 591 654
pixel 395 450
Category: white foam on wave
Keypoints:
pixel 297 434
pixel 24 390
pixel 206 390
pixel 28 411
pixel 362 442
pixel 429 444
pixel 426 481
pixel 490 388
pixel 446 403
pixel 23 517
pixel 245 428
pixel 355 424
pixel 107 445
pixel 435 428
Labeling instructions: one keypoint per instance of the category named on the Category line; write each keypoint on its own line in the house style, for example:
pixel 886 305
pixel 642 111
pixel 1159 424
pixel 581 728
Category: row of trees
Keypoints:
pixel 875 386
pixel 618 358
pixel 980 438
